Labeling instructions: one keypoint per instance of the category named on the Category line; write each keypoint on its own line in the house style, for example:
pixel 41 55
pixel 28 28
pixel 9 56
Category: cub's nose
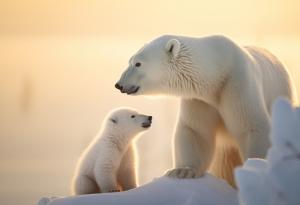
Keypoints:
pixel 118 86
pixel 150 118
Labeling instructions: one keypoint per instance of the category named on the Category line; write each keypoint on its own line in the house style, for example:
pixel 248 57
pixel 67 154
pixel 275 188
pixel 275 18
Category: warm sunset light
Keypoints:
pixel 60 60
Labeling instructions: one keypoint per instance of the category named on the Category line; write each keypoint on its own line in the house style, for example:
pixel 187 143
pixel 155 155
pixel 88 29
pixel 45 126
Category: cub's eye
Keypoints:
pixel 132 116
pixel 114 121
pixel 138 64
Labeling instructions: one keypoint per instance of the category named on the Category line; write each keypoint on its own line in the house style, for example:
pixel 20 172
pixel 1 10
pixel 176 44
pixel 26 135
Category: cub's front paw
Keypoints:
pixel 182 172
pixel 46 200
pixel 114 190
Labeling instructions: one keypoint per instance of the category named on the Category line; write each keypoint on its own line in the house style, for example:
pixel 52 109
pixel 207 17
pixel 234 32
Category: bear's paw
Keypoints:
pixel 182 172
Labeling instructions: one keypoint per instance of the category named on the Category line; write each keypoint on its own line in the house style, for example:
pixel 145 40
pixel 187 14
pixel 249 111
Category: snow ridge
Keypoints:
pixel 276 180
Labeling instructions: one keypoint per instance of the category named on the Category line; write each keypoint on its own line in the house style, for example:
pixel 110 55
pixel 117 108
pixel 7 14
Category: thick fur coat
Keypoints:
pixel 226 90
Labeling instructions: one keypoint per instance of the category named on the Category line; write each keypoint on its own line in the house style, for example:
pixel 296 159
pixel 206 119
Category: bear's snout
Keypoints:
pixel 127 89
pixel 118 86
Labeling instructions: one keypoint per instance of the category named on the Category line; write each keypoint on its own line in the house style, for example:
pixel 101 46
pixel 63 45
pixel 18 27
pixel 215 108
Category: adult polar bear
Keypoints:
pixel 225 90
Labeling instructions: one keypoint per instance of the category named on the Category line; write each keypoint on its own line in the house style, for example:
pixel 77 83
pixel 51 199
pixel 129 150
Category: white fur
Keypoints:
pixel 225 90
pixel 108 163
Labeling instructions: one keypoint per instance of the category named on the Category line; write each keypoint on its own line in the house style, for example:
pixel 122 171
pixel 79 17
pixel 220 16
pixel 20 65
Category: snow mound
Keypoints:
pixel 207 190
pixel 276 180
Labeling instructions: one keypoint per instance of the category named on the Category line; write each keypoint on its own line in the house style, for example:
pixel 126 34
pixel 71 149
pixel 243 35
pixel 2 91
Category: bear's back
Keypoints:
pixel 275 78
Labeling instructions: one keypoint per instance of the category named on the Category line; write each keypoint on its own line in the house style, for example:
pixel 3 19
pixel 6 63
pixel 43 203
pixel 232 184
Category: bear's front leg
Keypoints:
pixel 194 141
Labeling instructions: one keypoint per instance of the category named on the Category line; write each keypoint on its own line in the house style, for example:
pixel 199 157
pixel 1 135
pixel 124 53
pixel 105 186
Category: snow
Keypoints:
pixel 207 190
pixel 273 181
pixel 276 180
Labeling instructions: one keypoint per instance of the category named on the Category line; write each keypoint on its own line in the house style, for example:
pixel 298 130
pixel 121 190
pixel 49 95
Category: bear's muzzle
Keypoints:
pixel 127 89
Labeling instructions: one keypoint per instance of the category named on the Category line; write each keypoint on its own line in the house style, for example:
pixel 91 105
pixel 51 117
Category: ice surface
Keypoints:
pixel 207 190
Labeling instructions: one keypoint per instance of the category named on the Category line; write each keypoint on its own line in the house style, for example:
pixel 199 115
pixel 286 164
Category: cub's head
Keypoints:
pixel 150 70
pixel 128 122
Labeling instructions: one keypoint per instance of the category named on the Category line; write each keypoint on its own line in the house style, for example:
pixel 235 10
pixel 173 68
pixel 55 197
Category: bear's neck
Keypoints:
pixel 187 82
pixel 200 79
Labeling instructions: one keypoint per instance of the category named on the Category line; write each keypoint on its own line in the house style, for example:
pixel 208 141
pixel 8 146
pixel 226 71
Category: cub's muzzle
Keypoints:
pixel 148 123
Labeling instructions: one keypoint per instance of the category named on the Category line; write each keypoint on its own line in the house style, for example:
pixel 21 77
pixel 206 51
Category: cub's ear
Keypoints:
pixel 114 120
pixel 173 47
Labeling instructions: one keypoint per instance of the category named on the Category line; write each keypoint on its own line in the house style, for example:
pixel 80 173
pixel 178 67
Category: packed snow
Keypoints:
pixel 207 190
pixel 274 181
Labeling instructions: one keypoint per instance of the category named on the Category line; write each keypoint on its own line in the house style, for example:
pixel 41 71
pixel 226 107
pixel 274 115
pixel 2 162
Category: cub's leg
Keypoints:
pixel 127 170
pixel 84 185
pixel 194 141
pixel 107 179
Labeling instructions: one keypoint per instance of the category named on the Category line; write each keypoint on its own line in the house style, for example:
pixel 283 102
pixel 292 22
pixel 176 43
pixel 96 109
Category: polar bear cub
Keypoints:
pixel 108 163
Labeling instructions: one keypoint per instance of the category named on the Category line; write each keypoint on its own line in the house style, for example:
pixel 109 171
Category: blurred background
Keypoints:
pixel 60 59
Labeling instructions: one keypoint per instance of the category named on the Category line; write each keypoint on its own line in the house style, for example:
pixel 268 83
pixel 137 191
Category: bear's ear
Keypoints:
pixel 114 120
pixel 173 47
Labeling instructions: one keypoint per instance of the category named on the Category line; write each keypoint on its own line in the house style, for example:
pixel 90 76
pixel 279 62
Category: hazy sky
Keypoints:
pixel 60 59
pixel 140 18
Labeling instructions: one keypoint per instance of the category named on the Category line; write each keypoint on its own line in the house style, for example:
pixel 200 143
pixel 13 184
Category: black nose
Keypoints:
pixel 118 86
pixel 150 118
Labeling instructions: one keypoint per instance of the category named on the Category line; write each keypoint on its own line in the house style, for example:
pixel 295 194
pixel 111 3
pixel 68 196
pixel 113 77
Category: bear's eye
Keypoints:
pixel 138 64
pixel 132 116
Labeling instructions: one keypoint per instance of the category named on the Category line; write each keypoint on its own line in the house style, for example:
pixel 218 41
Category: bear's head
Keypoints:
pixel 128 122
pixel 156 68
